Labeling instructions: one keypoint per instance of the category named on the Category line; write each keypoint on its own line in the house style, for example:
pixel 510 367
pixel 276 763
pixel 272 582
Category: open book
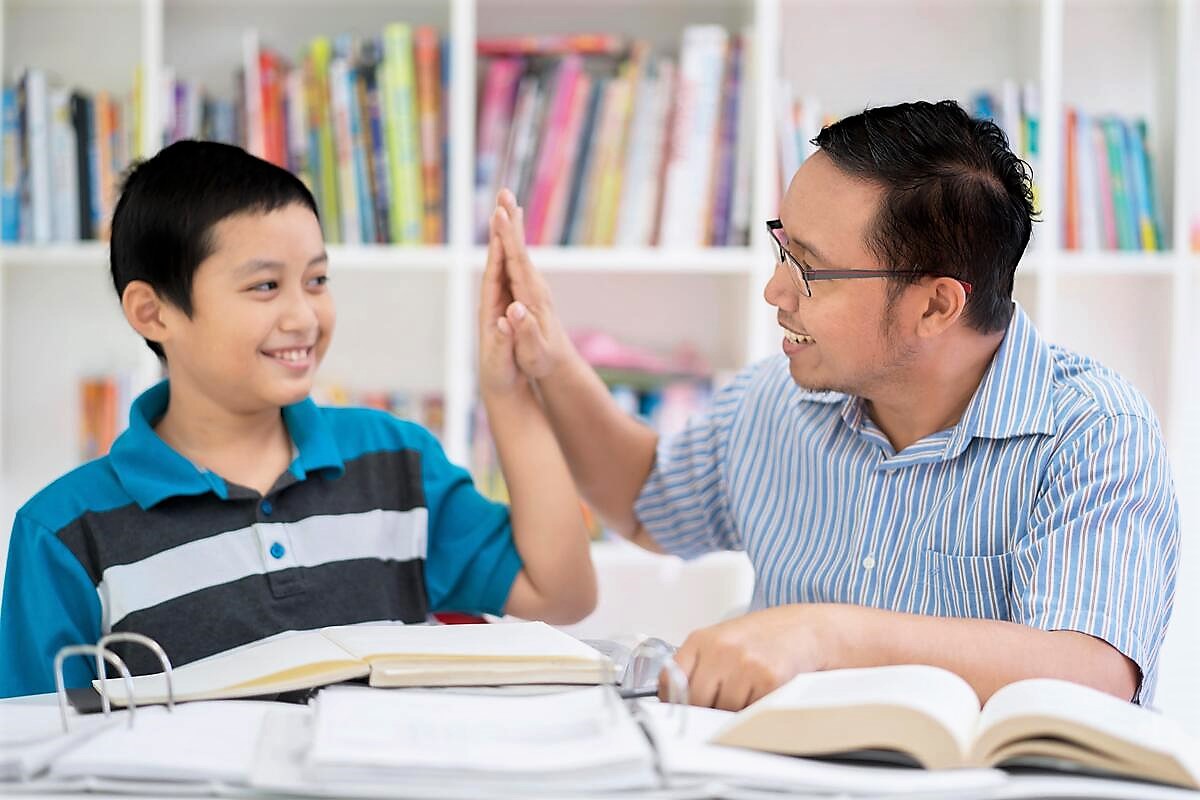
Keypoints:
pixel 932 716
pixel 391 654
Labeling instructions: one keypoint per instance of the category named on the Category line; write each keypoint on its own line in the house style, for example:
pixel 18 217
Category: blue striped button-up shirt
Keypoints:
pixel 1050 503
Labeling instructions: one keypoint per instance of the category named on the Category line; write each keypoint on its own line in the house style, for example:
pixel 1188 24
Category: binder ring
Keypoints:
pixel 149 644
pixel 659 656
pixel 60 687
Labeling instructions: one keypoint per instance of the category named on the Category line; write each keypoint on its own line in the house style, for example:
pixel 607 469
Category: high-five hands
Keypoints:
pixel 515 300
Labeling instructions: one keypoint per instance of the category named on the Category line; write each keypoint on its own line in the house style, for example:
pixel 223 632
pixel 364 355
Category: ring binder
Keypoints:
pixel 99 652
pixel 150 645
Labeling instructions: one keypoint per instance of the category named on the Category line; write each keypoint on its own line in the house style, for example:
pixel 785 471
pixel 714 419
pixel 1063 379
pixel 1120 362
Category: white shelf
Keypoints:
pixel 710 261
pixel 389 258
pixel 1124 264
pixel 74 256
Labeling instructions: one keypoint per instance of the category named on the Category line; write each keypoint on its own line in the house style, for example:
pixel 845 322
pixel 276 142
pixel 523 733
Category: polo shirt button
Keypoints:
pixel 266 507
pixel 277 550
pixel 868 562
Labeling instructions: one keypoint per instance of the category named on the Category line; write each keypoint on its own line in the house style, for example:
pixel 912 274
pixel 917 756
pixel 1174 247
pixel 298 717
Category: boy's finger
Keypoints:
pixel 516 257
pixel 490 287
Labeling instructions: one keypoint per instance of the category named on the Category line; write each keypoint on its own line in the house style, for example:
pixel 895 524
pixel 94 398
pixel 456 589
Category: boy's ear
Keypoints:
pixel 144 311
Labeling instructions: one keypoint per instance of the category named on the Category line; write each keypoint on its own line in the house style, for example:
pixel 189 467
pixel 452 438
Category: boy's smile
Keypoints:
pixel 262 315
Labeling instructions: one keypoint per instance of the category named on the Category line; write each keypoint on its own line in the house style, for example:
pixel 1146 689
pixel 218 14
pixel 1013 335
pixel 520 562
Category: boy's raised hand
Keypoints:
pixel 497 365
pixel 529 317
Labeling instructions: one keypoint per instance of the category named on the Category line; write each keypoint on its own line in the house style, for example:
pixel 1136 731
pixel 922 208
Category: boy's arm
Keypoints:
pixel 49 602
pixel 609 453
pixel 557 582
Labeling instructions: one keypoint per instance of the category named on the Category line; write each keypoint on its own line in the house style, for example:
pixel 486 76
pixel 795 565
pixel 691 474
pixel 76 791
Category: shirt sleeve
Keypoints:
pixel 49 602
pixel 1102 553
pixel 471 560
pixel 684 504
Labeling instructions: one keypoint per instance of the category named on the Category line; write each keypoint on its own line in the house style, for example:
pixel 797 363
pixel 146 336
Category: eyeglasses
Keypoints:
pixel 803 275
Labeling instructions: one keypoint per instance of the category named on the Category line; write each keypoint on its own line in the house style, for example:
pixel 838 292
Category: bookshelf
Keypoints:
pixel 408 313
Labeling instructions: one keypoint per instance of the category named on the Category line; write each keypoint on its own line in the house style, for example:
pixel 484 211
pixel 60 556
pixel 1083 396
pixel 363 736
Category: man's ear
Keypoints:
pixel 145 311
pixel 946 301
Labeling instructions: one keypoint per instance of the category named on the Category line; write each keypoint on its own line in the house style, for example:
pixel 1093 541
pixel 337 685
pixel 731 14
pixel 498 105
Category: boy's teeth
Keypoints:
pixel 291 355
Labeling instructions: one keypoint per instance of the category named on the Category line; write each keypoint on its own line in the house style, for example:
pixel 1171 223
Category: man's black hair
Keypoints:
pixel 957 201
pixel 162 228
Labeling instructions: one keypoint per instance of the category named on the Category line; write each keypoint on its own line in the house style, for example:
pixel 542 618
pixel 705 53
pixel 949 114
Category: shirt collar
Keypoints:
pixel 1015 397
pixel 152 471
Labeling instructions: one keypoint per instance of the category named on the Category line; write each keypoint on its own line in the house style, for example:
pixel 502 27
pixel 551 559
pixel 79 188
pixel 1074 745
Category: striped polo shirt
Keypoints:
pixel 370 522
pixel 1050 503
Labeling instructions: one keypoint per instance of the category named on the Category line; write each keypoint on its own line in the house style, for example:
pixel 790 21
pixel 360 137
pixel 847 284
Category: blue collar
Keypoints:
pixel 151 471
pixel 1015 398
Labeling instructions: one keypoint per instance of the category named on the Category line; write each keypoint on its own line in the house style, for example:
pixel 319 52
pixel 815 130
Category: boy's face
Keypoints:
pixel 262 315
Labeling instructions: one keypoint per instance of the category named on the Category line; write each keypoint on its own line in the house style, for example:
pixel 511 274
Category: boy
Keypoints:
pixel 233 508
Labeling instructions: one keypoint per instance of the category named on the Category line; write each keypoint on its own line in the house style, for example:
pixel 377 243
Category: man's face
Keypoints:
pixel 850 339
pixel 262 316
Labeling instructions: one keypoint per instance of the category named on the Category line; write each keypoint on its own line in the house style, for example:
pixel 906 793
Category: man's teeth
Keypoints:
pixel 797 338
pixel 291 355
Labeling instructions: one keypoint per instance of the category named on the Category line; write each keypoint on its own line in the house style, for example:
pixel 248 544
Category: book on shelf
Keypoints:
pixel 605 142
pixel 64 151
pixel 104 403
pixel 932 717
pixel 1110 191
pixel 386 654
pixel 361 120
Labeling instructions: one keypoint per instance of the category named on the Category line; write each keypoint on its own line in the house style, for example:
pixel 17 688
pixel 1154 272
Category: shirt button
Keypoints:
pixel 277 550
pixel 868 562
pixel 266 507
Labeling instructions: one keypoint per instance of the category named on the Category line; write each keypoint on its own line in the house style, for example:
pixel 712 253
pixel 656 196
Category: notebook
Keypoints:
pixel 32 736
pixel 932 716
pixel 388 655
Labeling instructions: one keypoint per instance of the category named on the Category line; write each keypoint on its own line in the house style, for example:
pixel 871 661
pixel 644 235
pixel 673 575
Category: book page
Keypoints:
pixel 294 660
pixel 689 757
pixel 1116 729
pixel 524 641
pixel 938 695
pixel 367 735
pixel 195 742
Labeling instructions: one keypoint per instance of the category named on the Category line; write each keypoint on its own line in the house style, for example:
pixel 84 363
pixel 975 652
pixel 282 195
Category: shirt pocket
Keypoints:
pixel 976 587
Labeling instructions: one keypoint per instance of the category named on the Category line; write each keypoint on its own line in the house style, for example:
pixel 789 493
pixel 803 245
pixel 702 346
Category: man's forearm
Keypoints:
pixel 989 654
pixel 610 454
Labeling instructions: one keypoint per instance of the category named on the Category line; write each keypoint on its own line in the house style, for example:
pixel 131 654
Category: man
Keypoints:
pixel 919 477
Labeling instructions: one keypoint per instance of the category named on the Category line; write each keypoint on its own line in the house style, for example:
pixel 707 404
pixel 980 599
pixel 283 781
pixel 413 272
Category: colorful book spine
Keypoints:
pixel 400 124
pixel 1149 225
pixel 726 150
pixel 495 121
pixel 1119 181
pixel 1104 184
pixel 343 138
pixel 11 167
pixel 426 48
pixel 370 71
pixel 549 160
pixel 37 156
pixel 316 74
pixel 1071 182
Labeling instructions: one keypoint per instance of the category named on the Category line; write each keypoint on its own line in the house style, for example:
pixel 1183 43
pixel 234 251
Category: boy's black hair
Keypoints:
pixel 957 201
pixel 163 223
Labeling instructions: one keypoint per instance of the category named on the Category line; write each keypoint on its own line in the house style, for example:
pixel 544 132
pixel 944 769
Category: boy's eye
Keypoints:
pixel 319 280
pixel 265 286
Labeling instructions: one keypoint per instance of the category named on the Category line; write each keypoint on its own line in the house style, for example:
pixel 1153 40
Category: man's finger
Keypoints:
pixel 530 343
